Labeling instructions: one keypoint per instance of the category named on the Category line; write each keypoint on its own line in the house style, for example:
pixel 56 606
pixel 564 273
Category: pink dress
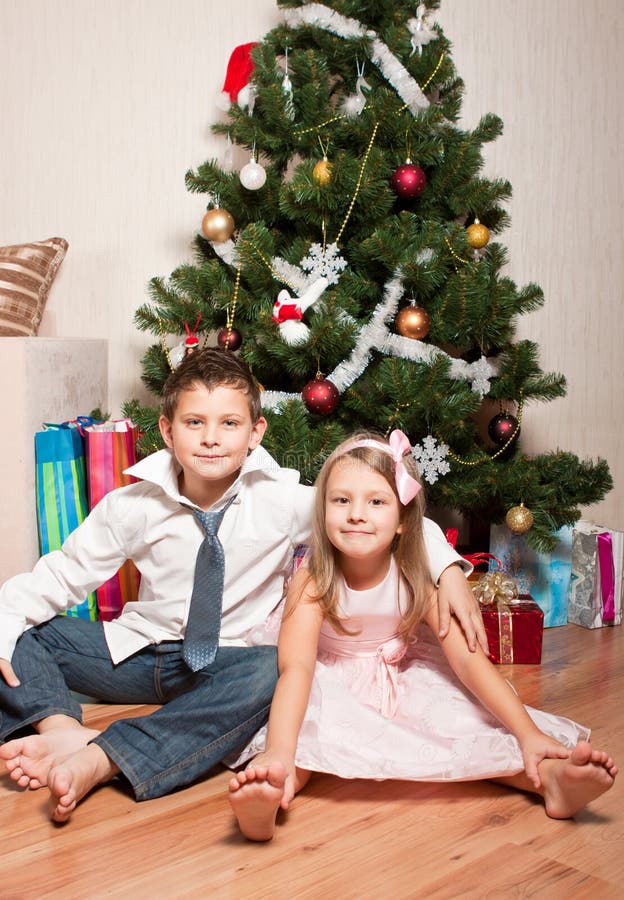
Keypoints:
pixel 380 709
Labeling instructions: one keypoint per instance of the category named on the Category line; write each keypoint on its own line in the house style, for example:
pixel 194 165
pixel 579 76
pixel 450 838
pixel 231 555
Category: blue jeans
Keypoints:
pixel 205 715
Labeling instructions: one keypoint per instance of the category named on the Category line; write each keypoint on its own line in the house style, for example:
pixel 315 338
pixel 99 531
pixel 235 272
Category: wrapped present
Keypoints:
pixel 596 585
pixel 545 576
pixel 514 623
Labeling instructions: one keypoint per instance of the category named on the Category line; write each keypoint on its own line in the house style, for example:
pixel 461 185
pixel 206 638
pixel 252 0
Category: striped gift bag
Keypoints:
pixel 61 494
pixel 110 447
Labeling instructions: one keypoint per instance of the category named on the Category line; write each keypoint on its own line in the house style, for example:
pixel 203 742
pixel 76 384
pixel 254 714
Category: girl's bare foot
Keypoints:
pixel 255 797
pixel 29 759
pixel 570 784
pixel 69 781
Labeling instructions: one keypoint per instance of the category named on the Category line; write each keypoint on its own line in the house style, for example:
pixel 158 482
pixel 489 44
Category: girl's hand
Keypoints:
pixel 536 747
pixel 456 597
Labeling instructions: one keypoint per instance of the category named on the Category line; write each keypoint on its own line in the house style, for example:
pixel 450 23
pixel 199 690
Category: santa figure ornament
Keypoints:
pixel 191 341
pixel 236 87
pixel 288 312
pixel 189 345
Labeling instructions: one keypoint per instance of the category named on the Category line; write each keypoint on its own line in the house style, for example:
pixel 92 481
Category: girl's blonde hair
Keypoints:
pixel 408 546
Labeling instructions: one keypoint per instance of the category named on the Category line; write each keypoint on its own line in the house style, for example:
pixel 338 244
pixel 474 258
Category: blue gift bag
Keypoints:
pixel 61 494
pixel 545 576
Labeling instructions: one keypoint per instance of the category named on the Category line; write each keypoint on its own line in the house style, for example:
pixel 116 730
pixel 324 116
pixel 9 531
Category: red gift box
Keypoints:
pixel 514 630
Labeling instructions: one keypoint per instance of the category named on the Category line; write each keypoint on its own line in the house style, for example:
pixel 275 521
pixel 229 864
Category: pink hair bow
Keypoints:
pixel 398 445
pixel 407 486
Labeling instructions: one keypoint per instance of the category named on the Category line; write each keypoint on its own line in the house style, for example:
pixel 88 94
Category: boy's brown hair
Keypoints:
pixel 211 368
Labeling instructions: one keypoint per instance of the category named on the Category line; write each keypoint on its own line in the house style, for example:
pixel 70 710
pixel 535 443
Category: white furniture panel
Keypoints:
pixel 43 380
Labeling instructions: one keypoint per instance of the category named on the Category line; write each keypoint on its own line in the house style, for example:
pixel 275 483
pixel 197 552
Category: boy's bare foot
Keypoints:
pixel 29 759
pixel 69 781
pixel 255 797
pixel 570 784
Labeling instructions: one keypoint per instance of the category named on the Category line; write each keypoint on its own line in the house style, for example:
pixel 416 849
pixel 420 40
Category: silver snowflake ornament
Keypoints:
pixel 431 459
pixel 481 372
pixel 324 264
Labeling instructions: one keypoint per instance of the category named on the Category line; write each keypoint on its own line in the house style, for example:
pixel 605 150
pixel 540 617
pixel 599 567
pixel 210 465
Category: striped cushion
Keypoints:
pixel 26 274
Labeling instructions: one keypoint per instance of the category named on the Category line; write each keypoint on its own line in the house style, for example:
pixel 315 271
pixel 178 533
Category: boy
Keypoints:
pixel 212 426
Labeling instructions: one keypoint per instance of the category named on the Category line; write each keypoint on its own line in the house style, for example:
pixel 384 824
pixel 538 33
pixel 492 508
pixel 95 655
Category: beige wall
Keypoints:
pixel 106 104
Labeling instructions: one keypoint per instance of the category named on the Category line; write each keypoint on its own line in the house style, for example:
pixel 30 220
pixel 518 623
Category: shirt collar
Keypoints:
pixel 162 468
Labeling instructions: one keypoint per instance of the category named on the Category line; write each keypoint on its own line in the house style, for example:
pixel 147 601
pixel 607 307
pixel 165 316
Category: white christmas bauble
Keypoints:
pixel 252 176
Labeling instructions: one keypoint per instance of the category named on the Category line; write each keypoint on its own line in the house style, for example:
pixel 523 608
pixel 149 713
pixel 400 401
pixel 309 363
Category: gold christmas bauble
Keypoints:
pixel 519 519
pixel 477 235
pixel 218 225
pixel 322 171
pixel 413 322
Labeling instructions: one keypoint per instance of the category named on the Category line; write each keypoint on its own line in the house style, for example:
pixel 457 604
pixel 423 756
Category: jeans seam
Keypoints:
pixel 119 760
pixel 158 667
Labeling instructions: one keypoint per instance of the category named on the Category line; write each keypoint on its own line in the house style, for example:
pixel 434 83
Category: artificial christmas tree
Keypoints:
pixel 353 262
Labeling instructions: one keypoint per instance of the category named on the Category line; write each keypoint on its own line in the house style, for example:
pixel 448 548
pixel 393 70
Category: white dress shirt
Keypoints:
pixel 152 524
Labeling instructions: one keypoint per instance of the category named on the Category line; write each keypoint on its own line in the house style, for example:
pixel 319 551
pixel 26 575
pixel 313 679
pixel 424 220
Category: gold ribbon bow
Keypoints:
pixel 495 588
pixel 498 589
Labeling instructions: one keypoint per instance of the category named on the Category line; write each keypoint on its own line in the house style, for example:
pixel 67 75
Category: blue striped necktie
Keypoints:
pixel 201 638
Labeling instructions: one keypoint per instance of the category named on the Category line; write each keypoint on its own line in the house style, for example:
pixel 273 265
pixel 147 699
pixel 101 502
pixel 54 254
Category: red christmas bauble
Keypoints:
pixel 408 181
pixel 229 339
pixel 502 427
pixel 320 396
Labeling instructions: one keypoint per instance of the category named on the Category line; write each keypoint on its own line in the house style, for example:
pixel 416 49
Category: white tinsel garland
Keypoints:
pixel 321 16
pixel 375 335
pixel 226 250
pixel 291 275
pixel 272 399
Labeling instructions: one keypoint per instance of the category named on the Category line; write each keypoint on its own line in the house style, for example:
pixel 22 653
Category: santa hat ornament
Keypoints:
pixel 191 341
pixel 188 345
pixel 236 87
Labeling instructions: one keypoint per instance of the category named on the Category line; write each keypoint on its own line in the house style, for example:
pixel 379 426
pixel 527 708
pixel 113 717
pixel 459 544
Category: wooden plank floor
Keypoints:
pixel 345 839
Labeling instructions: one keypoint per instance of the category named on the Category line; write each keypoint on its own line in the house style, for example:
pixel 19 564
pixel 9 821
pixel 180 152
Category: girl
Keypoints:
pixel 366 690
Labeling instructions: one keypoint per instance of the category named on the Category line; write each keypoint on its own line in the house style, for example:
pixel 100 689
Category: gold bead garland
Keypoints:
pixel 276 276
pixel 453 254
pixel 301 131
pixel 359 183
pixel 486 456
pixel 163 344
pixel 429 80
pixel 395 417
pixel 229 319
pixel 345 220
pixel 434 73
